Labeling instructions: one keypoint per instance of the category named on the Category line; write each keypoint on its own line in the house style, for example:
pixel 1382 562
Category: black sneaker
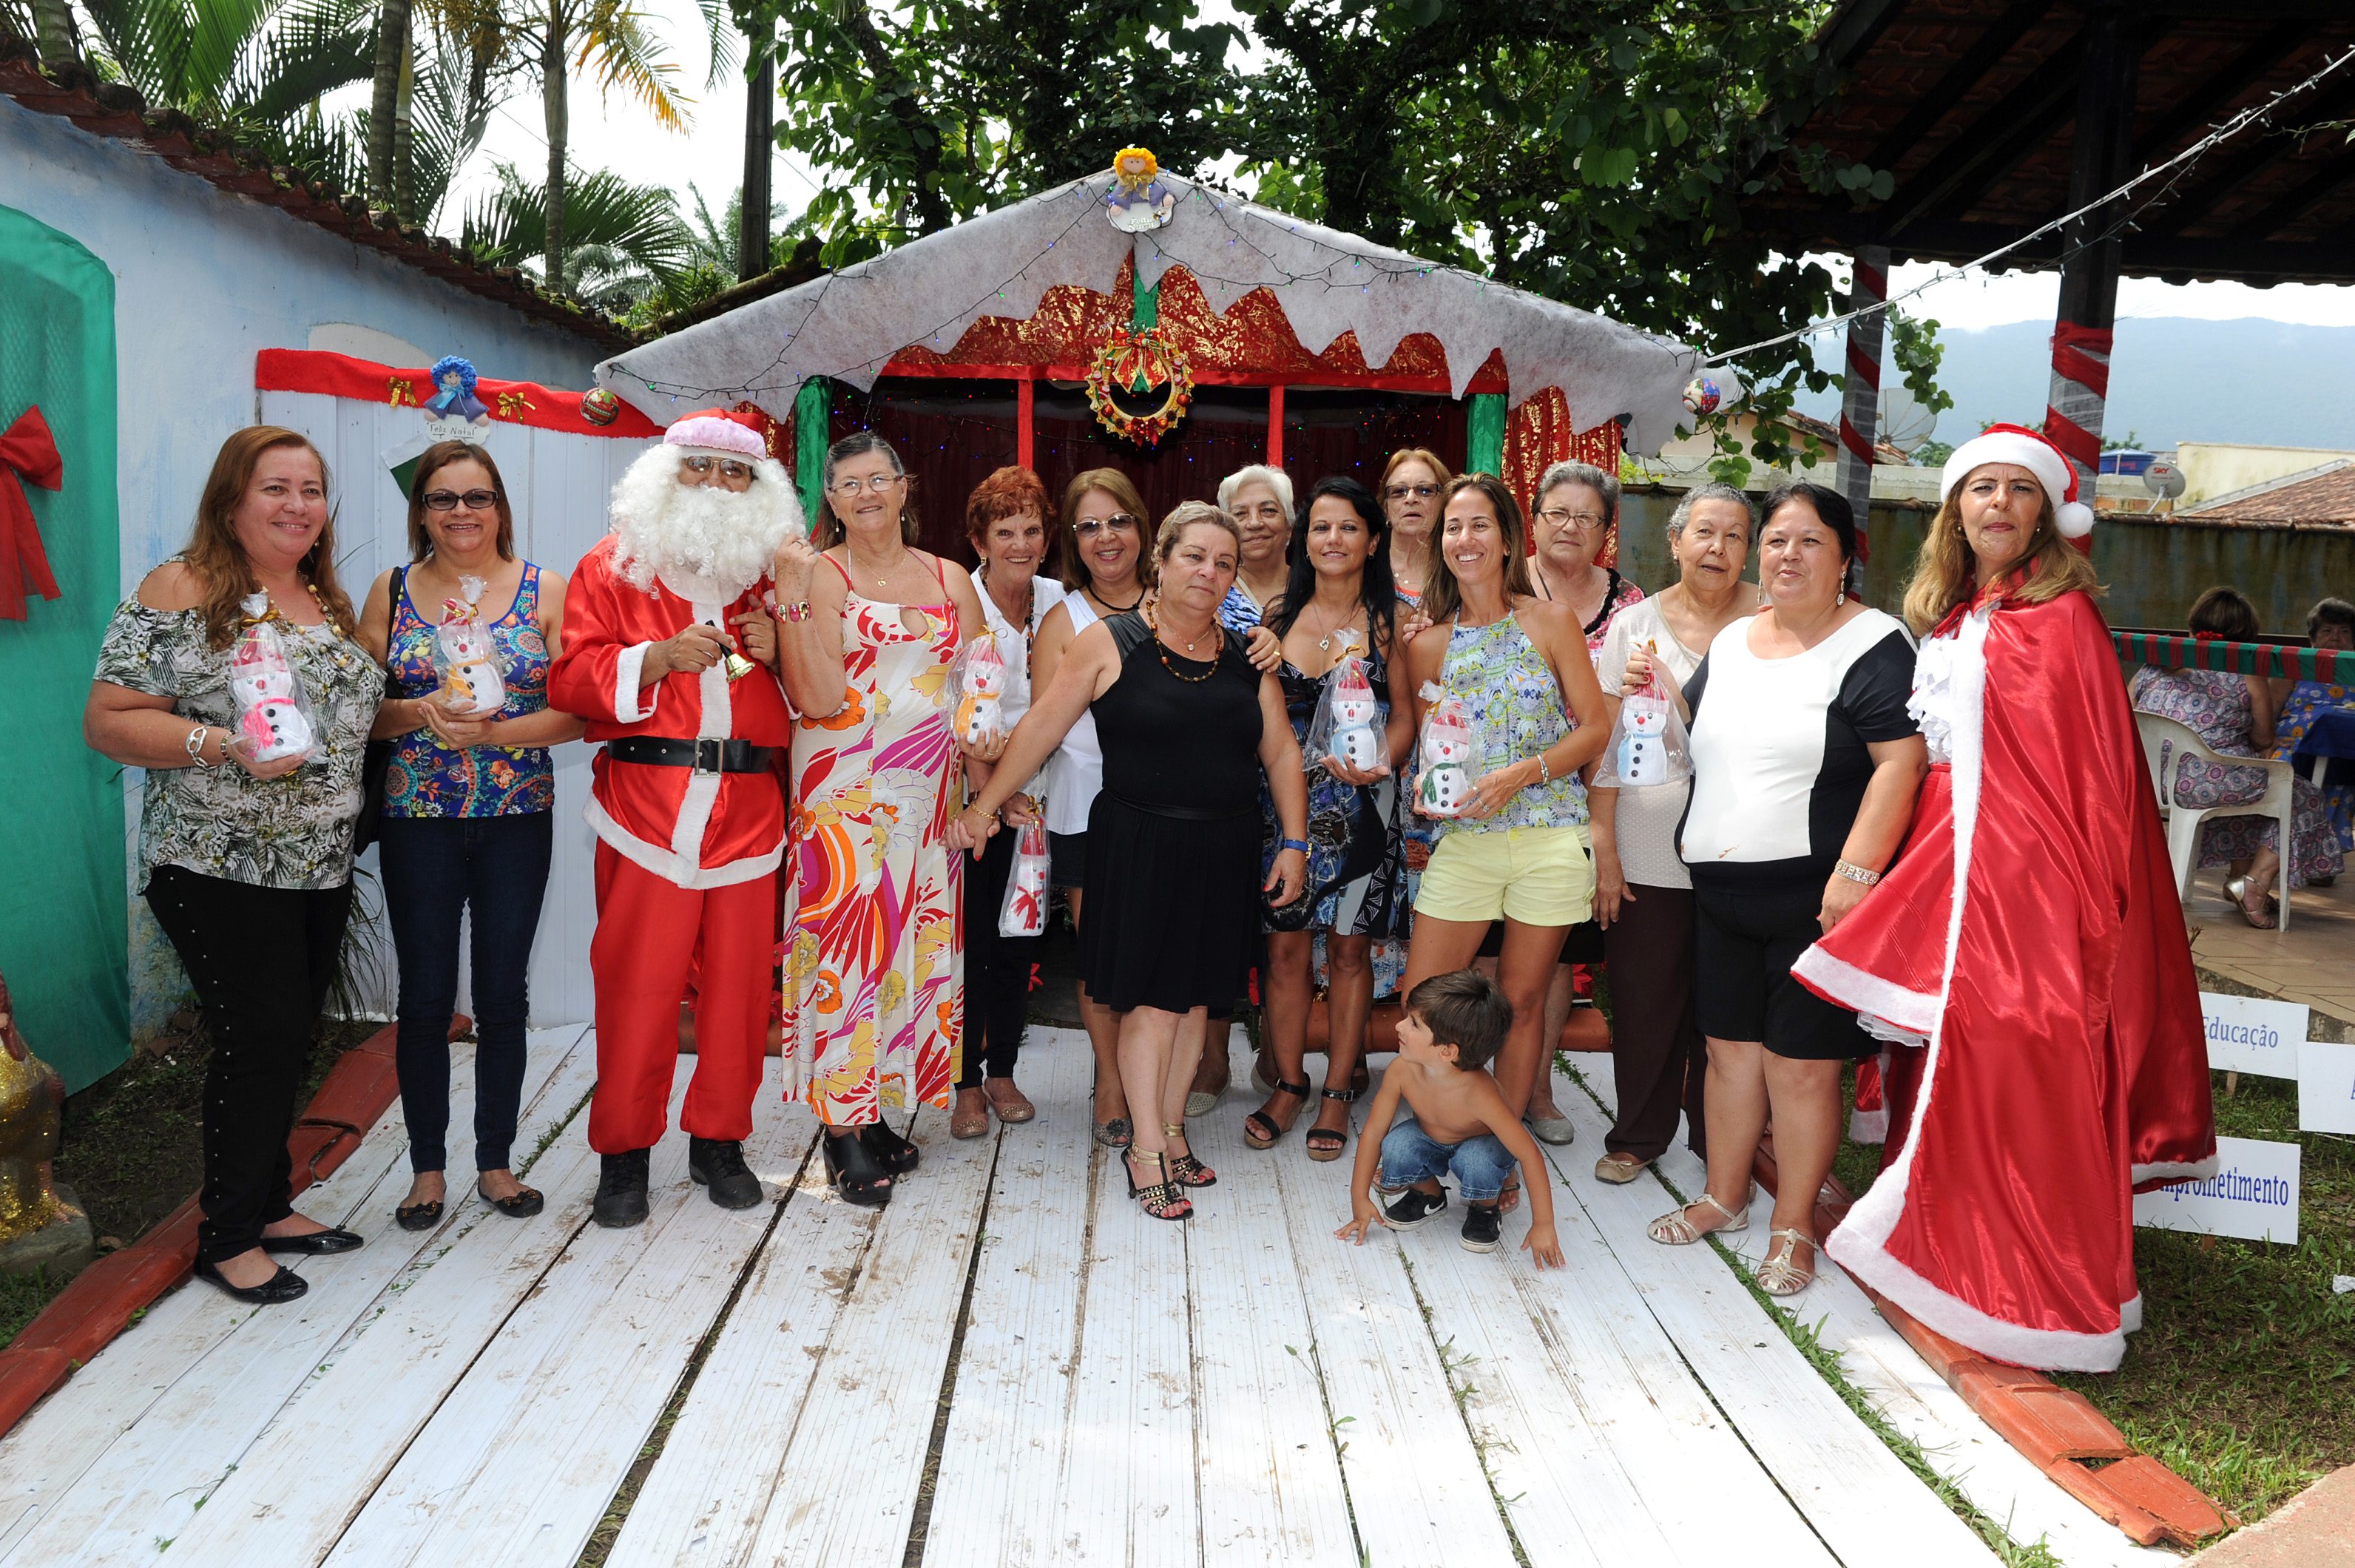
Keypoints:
pixel 1483 1224
pixel 621 1189
pixel 1413 1207
pixel 719 1165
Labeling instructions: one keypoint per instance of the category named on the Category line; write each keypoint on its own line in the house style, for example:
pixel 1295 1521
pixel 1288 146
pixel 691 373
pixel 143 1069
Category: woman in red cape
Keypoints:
pixel 2026 954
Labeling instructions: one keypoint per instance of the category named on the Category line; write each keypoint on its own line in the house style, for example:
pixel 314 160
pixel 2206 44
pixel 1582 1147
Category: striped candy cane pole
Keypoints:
pixel 2080 386
pixel 1860 410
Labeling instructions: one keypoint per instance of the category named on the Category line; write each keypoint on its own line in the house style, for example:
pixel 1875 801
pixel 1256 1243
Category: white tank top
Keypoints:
pixel 1075 772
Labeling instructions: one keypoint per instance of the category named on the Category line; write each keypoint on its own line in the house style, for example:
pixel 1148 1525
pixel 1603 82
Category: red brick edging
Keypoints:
pixel 103 1299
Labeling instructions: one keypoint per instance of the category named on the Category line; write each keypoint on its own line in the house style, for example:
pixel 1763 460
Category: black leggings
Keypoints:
pixel 260 959
pixel 996 969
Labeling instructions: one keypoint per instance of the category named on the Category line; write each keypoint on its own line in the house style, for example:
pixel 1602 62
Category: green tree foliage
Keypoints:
pixel 255 67
pixel 621 241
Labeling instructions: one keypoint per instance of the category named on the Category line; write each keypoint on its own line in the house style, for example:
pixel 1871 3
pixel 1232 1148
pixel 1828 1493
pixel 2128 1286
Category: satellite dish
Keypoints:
pixel 2163 479
pixel 1905 422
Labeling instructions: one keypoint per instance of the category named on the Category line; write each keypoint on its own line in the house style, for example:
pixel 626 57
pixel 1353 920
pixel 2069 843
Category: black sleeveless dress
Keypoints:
pixel 1172 839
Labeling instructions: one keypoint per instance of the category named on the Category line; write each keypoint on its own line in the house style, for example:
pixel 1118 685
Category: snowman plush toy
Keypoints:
pixel 1444 788
pixel 1643 756
pixel 270 716
pixel 1356 743
pixel 981 677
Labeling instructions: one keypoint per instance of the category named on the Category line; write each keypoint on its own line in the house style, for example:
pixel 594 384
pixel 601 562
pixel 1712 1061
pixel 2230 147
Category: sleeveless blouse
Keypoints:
pixel 428 779
pixel 1501 677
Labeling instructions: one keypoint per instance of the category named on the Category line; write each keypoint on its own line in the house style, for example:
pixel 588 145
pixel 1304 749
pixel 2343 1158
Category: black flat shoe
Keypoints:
pixel 892 1152
pixel 520 1205
pixel 419 1216
pixel 323 1244
pixel 858 1177
pixel 718 1166
pixel 621 1200
pixel 285 1286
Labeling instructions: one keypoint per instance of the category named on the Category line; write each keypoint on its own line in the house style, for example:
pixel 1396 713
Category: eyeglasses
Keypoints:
pixel 729 468
pixel 851 490
pixel 1401 492
pixel 1584 522
pixel 1119 522
pixel 472 500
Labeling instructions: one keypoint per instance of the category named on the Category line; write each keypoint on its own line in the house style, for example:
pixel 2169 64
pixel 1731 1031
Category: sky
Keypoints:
pixel 618 134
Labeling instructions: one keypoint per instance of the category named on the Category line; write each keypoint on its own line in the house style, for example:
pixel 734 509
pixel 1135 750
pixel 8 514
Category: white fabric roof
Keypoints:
pixel 848 324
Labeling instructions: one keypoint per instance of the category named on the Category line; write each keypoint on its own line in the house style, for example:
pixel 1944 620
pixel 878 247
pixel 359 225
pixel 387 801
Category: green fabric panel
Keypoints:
pixel 1486 434
pixel 1146 310
pixel 65 926
pixel 812 410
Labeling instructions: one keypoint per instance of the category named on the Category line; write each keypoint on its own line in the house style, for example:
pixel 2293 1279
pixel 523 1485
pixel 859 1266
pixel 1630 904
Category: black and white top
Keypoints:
pixel 1779 758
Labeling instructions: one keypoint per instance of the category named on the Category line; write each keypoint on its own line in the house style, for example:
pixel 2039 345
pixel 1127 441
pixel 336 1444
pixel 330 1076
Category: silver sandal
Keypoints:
pixel 1779 1274
pixel 1676 1230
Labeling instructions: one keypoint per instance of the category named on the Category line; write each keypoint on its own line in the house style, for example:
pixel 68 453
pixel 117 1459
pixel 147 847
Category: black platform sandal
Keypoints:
pixel 1260 1130
pixel 1336 1140
pixel 853 1171
pixel 1164 1199
pixel 1184 1168
pixel 894 1153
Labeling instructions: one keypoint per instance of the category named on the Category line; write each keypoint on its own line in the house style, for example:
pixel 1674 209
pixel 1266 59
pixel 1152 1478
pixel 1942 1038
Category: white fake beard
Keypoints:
pixel 724 538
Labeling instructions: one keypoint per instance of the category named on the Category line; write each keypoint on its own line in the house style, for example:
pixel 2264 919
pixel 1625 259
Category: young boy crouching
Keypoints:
pixel 1453 1028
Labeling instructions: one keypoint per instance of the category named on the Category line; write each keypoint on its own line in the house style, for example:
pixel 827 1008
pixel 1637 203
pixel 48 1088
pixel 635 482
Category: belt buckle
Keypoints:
pixel 708 757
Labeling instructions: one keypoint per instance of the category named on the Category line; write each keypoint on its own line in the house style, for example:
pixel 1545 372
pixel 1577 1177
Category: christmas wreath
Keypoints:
pixel 1139 386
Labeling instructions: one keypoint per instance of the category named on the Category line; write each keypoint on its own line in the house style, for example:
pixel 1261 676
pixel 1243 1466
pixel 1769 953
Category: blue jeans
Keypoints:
pixel 434 867
pixel 1479 1164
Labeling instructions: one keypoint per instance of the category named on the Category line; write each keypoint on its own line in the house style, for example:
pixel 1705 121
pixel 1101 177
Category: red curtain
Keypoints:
pixel 1225 429
pixel 1354 433
pixel 951 434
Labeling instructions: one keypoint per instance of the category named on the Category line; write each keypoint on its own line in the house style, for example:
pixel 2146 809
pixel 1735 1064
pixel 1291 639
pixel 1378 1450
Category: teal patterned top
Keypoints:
pixel 1500 675
pixel 426 778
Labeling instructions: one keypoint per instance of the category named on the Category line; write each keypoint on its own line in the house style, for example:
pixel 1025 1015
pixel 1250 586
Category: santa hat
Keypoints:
pixel 2024 448
pixel 717 432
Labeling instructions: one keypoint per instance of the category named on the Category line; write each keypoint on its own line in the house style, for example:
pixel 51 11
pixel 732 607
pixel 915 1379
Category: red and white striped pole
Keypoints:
pixel 1859 425
pixel 2081 388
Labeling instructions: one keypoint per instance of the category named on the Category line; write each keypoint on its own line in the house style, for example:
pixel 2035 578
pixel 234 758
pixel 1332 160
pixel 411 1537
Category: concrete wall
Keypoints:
pixel 2212 468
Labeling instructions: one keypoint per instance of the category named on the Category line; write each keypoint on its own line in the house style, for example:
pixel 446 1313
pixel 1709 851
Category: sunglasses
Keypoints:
pixel 472 500
pixel 1119 522
pixel 1401 492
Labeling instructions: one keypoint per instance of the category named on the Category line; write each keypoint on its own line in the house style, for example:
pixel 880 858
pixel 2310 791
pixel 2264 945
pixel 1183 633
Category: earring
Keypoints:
pixel 1841 599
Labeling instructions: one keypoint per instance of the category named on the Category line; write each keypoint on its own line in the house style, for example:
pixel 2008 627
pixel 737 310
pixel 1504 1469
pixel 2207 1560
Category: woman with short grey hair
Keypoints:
pixel 1643 896
pixel 1576 516
pixel 1259 498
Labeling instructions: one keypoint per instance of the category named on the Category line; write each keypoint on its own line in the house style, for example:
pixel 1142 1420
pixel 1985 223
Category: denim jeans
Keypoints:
pixel 1479 1164
pixel 434 868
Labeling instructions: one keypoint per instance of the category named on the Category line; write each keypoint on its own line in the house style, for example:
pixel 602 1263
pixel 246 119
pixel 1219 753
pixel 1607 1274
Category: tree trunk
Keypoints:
pixel 391 51
pixel 404 157
pixel 54 38
pixel 552 104
pixel 760 152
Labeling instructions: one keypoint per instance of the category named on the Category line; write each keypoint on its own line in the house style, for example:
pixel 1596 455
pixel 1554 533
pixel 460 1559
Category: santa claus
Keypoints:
pixel 689 817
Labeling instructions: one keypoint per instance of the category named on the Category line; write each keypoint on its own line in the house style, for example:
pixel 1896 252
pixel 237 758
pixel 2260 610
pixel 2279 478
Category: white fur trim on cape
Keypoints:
pixel 632 703
pixel 1905 1015
pixel 2177 1170
pixel 660 860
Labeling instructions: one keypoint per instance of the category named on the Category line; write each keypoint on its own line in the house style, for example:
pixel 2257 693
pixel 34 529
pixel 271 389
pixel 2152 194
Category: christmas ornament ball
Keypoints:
pixel 1702 396
pixel 599 406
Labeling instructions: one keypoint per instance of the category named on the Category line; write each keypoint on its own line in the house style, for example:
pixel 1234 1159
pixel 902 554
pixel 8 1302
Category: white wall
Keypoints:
pixel 558 483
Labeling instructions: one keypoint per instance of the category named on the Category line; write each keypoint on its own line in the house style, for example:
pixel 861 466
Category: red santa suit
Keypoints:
pixel 2028 952
pixel 686 857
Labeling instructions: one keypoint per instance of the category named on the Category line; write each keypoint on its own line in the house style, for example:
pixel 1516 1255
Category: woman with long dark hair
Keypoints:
pixel 1337 604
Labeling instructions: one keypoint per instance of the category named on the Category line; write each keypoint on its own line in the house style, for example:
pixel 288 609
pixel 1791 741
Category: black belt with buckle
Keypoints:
pixel 703 756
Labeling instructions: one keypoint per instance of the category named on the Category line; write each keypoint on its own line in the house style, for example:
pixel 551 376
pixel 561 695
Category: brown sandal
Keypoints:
pixel 1260 1130
pixel 1334 1139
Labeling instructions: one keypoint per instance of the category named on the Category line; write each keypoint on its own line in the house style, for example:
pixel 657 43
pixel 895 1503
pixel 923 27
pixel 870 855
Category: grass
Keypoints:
pixel 132 1147
pixel 2242 1378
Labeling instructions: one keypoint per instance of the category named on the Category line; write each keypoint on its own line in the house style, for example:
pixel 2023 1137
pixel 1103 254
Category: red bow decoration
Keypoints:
pixel 27 454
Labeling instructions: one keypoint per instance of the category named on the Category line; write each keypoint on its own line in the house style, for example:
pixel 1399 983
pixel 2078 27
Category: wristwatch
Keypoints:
pixel 1299 844
pixel 1856 873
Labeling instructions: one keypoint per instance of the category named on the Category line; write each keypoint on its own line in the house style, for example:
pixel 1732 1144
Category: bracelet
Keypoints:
pixel 1545 769
pixel 195 746
pixel 798 610
pixel 1856 873
pixel 1299 844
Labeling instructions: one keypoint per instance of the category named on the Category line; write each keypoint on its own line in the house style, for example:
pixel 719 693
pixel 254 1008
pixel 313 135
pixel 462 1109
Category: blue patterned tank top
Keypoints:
pixel 1500 675
pixel 427 779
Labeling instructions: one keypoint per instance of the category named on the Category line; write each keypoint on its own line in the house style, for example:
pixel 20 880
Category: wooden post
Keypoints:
pixel 1275 427
pixel 2102 158
pixel 1859 424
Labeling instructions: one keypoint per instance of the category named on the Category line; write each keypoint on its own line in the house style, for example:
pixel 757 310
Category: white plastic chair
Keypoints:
pixel 2164 745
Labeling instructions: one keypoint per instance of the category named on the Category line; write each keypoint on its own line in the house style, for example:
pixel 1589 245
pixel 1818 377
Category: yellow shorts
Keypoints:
pixel 1538 876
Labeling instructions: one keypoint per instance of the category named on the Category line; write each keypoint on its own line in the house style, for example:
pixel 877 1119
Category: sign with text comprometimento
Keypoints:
pixel 2253 1195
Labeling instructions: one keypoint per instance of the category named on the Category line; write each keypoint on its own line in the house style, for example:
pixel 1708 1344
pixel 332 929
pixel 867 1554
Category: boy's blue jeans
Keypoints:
pixel 1479 1164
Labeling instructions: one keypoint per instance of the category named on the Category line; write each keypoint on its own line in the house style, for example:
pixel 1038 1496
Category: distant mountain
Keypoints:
pixel 2172 378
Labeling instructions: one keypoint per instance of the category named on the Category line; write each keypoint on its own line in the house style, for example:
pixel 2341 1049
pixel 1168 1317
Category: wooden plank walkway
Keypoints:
pixel 1011 1365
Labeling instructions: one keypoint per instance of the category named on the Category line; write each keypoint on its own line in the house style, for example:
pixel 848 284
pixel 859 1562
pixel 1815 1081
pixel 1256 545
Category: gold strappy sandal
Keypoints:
pixel 1676 1230
pixel 1780 1274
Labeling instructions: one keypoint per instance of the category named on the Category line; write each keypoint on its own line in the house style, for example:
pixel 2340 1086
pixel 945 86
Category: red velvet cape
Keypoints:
pixel 2052 1056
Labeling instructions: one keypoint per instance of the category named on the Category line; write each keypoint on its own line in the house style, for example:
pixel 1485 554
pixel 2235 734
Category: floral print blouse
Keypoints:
pixel 292 832
pixel 1506 682
pixel 426 778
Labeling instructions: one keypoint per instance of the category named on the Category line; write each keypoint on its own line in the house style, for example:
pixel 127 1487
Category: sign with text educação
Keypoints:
pixel 2253 1034
pixel 2326 1088
pixel 2253 1195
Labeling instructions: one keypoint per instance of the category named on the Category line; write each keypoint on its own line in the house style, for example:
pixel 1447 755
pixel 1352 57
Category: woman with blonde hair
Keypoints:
pixel 1187 726
pixel 247 864
pixel 1412 481
pixel 2025 956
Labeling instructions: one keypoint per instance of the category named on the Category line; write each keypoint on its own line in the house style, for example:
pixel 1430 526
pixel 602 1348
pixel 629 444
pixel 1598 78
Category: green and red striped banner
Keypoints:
pixel 2178 650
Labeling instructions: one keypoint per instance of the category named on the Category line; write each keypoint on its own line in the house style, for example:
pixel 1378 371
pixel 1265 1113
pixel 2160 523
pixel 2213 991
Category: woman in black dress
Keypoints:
pixel 1186 728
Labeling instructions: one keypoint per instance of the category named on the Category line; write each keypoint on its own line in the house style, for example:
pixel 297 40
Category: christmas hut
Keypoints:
pixel 1141 321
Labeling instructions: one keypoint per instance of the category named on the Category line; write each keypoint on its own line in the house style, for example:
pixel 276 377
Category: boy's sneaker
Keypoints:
pixel 1483 1224
pixel 1413 1208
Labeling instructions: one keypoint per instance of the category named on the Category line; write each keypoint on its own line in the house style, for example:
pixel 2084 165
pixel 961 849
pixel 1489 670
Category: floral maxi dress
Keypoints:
pixel 873 995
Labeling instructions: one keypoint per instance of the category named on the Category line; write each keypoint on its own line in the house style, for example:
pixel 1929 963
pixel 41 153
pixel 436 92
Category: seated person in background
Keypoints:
pixel 2330 625
pixel 1453 1026
pixel 2233 715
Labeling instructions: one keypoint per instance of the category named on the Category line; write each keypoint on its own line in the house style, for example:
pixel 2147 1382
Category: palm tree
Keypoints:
pixel 618 241
pixel 394 69
pixel 447 98
pixel 257 66
pixel 54 33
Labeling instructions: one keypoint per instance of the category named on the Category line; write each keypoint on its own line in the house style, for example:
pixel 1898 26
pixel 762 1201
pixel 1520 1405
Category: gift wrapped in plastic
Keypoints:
pixel 462 655
pixel 1346 725
pixel 977 688
pixel 1448 751
pixel 1024 911
pixel 273 716
pixel 1649 744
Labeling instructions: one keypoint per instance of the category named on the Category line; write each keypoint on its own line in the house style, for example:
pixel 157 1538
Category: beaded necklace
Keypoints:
pixel 1217 649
